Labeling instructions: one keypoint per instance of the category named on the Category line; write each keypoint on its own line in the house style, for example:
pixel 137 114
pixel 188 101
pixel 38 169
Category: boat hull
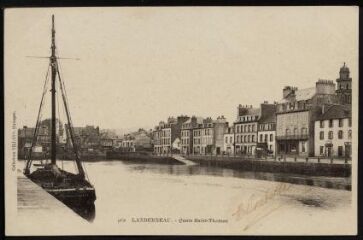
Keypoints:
pixel 71 189
pixel 80 201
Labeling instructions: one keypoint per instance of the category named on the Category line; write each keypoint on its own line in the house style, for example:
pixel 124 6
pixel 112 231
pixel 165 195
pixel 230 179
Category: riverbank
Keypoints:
pixel 274 166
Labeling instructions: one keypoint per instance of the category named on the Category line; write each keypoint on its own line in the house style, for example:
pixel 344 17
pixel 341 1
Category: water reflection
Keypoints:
pixel 337 183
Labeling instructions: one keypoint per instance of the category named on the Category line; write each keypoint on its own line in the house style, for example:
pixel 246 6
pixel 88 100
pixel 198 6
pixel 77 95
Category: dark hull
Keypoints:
pixel 75 192
pixel 80 201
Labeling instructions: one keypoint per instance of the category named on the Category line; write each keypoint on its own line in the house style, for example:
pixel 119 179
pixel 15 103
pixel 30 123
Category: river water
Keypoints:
pixel 180 199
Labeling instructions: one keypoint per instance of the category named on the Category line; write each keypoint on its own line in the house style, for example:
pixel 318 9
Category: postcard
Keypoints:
pixel 181 120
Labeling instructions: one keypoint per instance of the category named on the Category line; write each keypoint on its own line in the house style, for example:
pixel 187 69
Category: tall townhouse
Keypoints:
pixel 333 132
pixel 187 134
pixel 267 128
pixel 166 133
pixel 228 147
pixel 203 137
pixel 245 129
pixel 219 128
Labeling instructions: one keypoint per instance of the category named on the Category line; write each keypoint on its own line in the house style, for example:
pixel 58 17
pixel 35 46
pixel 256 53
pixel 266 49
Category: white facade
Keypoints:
pixel 203 139
pixel 162 141
pixel 228 147
pixel 185 141
pixel 333 138
pixel 268 137
pixel 246 136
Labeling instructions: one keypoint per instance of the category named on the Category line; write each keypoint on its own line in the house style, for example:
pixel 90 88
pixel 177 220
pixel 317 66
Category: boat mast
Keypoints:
pixel 53 63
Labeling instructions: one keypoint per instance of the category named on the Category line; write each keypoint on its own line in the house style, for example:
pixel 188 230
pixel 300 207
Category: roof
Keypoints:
pixel 249 111
pixel 305 94
pixel 268 118
pixel 253 111
pixel 302 94
pixel 199 120
pixel 336 112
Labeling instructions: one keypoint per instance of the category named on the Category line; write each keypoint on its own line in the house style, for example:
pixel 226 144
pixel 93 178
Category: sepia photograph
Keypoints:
pixel 181 120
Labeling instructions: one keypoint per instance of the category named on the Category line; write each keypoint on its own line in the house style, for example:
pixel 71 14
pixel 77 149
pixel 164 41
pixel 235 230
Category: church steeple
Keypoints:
pixel 344 72
pixel 344 84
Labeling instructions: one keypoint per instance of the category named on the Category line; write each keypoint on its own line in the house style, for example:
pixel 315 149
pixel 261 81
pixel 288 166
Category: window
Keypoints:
pixel 266 137
pixel 350 134
pixel 287 131
pixel 230 139
pixel 271 137
pixel 330 135
pixel 321 124
pixel 253 128
pixel 303 131
pixel 245 138
pixel 261 136
pixel 340 134
pixel 249 128
pixel 253 138
pixel 340 122
pixel 321 150
pixel 321 135
pixel 331 123
pixel 340 151
pixel 249 138
pixel 303 147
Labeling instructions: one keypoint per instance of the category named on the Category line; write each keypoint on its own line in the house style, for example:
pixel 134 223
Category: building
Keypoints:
pixel 117 143
pixel 165 134
pixel 267 130
pixel 128 143
pixel 43 141
pixel 187 134
pixel 220 125
pixel 245 129
pixel 203 137
pixel 25 136
pixel 246 126
pixel 344 86
pixel 228 147
pixel 106 143
pixel 137 141
pixel 333 132
pixel 87 138
pixel 296 114
pixel 208 136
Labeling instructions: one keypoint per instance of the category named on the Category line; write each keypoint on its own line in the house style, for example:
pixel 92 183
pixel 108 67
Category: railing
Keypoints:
pixel 293 137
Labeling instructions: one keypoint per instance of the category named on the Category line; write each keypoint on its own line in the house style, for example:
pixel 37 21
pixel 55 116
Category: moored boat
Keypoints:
pixel 73 189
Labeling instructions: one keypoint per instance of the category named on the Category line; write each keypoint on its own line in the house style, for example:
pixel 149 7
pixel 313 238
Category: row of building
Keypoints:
pixel 89 139
pixel 314 121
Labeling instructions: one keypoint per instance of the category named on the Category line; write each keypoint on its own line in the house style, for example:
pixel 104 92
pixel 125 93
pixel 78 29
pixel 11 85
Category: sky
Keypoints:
pixel 139 66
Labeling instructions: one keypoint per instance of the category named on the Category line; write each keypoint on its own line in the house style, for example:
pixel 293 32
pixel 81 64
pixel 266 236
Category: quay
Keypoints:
pixel 35 204
pixel 302 166
pixel 183 160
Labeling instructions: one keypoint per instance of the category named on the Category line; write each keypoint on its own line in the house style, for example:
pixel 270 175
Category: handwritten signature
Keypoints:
pixel 254 202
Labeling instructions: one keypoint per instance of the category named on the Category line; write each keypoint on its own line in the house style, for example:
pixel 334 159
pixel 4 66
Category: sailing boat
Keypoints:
pixel 73 189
